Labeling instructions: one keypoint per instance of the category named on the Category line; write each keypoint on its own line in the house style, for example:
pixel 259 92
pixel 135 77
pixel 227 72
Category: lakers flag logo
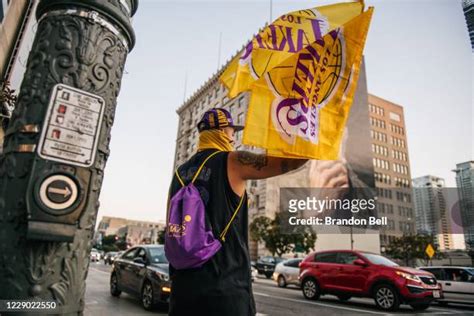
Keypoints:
pixel 301 71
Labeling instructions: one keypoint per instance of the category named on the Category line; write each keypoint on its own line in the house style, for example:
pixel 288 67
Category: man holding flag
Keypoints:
pixel 301 71
pixel 222 286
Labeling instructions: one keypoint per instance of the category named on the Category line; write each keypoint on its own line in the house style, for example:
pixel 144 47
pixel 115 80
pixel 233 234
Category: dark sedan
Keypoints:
pixel 110 257
pixel 266 265
pixel 142 271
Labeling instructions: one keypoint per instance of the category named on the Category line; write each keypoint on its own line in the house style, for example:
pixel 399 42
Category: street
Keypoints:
pixel 270 300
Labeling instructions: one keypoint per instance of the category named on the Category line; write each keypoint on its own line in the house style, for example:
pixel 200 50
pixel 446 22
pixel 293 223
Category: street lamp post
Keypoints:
pixel 56 148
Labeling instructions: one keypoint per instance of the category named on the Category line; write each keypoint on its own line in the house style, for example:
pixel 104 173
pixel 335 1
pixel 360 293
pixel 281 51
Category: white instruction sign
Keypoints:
pixel 71 128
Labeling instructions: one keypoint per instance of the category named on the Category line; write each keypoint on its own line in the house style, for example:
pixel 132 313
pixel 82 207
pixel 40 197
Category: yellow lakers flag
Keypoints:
pixel 300 107
pixel 287 35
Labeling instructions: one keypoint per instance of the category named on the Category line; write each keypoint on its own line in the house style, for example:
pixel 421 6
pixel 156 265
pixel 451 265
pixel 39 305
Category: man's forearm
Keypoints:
pixel 259 166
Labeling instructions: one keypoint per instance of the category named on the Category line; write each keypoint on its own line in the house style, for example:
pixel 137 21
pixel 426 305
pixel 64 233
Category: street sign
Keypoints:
pixel 71 128
pixel 58 192
pixel 430 251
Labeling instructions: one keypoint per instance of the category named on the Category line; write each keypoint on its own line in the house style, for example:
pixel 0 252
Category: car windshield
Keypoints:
pixel 378 259
pixel 470 270
pixel 158 255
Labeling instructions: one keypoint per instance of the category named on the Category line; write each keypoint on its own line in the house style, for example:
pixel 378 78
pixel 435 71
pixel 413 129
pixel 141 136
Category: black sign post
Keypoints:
pixel 56 147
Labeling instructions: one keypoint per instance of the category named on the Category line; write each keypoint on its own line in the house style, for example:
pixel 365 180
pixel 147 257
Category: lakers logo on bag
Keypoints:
pixel 178 230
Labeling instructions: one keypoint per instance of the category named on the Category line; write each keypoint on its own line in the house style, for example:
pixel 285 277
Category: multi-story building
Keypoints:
pixel 136 234
pixel 468 8
pixel 211 94
pixel 465 184
pixel 113 225
pixel 14 17
pixel 391 168
pixel 17 24
pixel 432 216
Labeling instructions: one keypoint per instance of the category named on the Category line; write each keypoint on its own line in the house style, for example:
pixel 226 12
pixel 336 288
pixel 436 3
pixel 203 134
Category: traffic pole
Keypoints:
pixel 56 147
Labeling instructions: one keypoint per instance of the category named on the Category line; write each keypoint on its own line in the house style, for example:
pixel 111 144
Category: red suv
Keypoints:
pixel 346 273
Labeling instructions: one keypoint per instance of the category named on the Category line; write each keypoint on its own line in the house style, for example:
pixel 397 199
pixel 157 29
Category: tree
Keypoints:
pixel 470 250
pixel 269 231
pixel 410 248
pixel 109 240
pixel 121 242
pixel 161 237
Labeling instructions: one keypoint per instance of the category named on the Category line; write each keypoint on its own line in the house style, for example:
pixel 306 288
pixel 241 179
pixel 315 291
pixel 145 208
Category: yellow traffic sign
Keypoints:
pixel 430 251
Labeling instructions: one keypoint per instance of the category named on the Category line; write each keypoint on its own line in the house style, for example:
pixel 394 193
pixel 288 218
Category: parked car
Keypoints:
pixel 266 265
pixel 457 283
pixel 287 272
pixel 347 274
pixel 253 273
pixel 110 257
pixel 142 271
pixel 95 255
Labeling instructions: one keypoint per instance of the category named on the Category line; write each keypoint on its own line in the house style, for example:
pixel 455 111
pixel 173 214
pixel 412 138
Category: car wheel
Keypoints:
pixel 281 281
pixel 386 297
pixel 147 296
pixel 344 298
pixel 268 275
pixel 114 289
pixel 420 307
pixel 311 289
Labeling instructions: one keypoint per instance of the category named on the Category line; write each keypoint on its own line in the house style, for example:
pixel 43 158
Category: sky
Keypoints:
pixel 417 55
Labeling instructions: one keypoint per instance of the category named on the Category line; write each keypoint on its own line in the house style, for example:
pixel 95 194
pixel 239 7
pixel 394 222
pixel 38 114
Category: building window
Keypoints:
pixel 241 101
pixel 395 117
pixel 240 119
pixel 238 135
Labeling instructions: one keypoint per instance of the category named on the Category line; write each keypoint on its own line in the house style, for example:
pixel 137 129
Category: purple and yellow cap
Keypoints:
pixel 217 118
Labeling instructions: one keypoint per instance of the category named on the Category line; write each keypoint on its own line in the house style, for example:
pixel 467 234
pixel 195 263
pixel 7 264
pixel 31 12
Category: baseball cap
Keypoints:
pixel 217 118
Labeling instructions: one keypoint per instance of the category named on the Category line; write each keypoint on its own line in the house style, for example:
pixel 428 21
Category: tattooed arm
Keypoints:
pixel 244 165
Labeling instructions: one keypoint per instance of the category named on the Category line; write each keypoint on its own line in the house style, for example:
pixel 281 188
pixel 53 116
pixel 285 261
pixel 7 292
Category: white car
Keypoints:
pixel 287 272
pixel 95 255
pixel 254 273
pixel 457 283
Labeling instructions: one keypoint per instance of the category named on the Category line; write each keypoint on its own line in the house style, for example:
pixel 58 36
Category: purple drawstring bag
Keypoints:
pixel 188 242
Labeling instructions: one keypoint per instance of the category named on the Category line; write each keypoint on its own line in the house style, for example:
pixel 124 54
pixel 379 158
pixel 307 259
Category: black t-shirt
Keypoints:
pixel 222 286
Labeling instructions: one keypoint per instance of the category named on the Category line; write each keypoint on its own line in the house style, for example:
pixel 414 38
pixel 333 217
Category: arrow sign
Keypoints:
pixel 58 192
pixel 64 192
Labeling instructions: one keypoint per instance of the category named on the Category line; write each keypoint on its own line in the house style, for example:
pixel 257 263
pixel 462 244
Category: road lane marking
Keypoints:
pixel 447 311
pixel 97 270
pixel 261 294
pixel 268 285
pixel 323 304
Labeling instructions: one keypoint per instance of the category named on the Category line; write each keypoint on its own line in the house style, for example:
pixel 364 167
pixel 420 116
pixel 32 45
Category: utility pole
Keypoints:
pixel 56 147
